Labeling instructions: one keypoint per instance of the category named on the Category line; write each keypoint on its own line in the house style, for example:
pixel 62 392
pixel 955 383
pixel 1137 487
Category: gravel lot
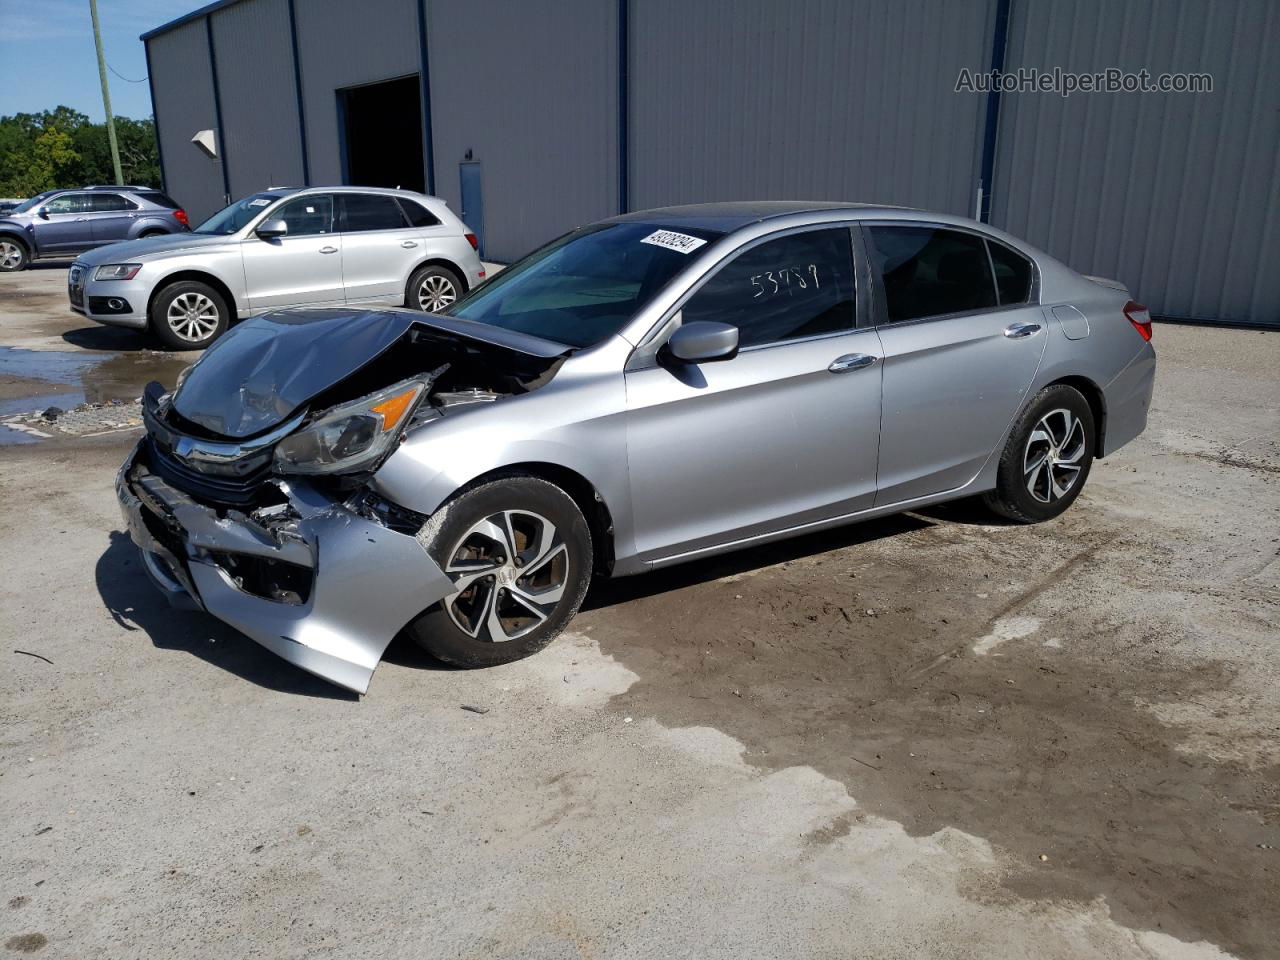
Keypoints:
pixel 928 736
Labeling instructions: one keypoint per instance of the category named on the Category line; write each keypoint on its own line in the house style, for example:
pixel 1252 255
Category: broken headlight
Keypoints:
pixel 353 437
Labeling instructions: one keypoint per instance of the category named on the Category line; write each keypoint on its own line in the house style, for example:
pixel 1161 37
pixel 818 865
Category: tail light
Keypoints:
pixel 181 216
pixel 1140 317
pixel 471 239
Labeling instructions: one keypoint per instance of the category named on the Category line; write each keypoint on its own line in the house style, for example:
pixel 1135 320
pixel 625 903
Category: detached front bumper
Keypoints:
pixel 358 582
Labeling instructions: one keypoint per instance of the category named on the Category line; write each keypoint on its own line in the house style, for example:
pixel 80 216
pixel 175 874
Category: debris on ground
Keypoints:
pixel 474 709
pixel 84 420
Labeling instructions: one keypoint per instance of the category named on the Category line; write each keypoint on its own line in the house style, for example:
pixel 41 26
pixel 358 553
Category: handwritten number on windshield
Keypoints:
pixel 784 280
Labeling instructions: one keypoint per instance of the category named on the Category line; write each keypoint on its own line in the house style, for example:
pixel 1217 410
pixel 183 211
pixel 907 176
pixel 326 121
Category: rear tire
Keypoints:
pixel 519 550
pixel 432 288
pixel 13 255
pixel 1047 457
pixel 189 315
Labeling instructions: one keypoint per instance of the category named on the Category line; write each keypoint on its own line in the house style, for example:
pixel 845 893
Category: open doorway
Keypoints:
pixel 381 126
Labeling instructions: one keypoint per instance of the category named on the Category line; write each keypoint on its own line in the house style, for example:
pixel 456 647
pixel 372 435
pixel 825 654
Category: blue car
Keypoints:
pixel 60 224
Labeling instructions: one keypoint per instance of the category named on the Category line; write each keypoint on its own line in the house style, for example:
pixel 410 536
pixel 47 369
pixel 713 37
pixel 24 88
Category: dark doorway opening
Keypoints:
pixel 381 125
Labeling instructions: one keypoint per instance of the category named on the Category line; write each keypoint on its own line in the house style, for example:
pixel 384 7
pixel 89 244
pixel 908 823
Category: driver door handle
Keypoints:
pixel 851 361
pixel 328 249
pixel 408 244
pixel 1020 331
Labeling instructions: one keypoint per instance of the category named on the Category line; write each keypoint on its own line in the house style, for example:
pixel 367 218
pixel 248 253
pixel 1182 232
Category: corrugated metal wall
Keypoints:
pixel 183 85
pixel 811 99
pixel 531 90
pixel 1177 195
pixel 259 102
pixel 341 44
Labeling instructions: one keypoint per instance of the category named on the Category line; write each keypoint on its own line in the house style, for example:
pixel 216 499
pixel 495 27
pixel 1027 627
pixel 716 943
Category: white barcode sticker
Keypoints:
pixel 259 202
pixel 679 242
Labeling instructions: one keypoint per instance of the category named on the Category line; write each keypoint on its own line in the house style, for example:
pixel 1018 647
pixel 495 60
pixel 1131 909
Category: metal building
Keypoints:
pixel 532 118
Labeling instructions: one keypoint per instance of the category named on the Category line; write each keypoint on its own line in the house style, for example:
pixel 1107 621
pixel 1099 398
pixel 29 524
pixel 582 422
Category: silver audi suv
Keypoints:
pixel 658 387
pixel 289 247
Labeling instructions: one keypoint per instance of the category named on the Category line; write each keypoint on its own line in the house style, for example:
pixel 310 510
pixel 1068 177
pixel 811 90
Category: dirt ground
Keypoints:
pixel 931 735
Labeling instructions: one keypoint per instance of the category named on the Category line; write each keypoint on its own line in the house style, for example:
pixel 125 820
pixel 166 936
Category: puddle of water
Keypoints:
pixel 40 401
pixel 51 366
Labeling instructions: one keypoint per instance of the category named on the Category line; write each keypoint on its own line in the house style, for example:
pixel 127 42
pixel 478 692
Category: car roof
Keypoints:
pixel 733 215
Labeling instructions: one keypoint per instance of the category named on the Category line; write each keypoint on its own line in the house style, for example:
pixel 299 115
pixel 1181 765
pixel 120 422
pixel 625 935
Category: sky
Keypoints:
pixel 47 56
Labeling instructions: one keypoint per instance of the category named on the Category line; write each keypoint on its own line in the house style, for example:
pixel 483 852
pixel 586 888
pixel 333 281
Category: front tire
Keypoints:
pixel 432 289
pixel 1047 457
pixel 518 550
pixel 13 255
pixel 189 315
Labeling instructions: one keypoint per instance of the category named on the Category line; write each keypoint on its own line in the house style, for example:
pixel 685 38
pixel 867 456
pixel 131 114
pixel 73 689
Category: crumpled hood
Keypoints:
pixel 146 248
pixel 262 370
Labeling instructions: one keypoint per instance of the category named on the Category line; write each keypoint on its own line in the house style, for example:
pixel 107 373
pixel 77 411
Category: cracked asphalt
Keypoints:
pixel 929 735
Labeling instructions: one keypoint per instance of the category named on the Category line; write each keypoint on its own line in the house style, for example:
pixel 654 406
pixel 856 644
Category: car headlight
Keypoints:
pixel 117 271
pixel 353 437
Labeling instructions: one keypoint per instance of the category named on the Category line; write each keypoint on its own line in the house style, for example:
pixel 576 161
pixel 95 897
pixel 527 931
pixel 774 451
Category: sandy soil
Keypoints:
pixel 930 735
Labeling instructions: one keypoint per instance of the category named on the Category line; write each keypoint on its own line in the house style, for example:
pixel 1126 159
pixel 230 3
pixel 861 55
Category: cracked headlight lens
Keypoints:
pixel 353 437
pixel 117 271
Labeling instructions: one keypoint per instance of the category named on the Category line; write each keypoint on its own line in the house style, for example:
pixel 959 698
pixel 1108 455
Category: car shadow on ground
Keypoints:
pixel 607 593
pixel 113 339
pixel 136 605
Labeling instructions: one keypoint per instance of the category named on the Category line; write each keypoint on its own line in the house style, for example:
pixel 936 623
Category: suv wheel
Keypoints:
pixel 13 255
pixel 188 315
pixel 1047 457
pixel 518 551
pixel 433 288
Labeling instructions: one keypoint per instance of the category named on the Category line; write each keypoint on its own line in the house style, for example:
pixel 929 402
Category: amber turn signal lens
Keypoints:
pixel 392 411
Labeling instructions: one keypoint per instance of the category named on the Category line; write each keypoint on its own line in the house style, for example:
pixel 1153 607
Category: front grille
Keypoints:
pixel 224 489
pixel 75 284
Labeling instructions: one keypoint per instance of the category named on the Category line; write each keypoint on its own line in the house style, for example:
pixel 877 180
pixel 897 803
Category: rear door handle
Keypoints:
pixel 328 249
pixel 851 361
pixel 1020 331
pixel 407 244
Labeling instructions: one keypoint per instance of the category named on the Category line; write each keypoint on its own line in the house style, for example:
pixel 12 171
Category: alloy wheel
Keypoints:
pixel 1053 457
pixel 192 317
pixel 509 572
pixel 435 293
pixel 10 255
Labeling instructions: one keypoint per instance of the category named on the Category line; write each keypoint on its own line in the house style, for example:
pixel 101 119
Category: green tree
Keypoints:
pixel 62 148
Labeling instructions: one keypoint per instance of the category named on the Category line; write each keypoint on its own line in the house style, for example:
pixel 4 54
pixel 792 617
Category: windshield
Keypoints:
pixel 39 198
pixel 584 287
pixel 233 219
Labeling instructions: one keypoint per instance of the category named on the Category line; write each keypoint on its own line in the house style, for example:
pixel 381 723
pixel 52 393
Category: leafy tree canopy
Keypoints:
pixel 62 148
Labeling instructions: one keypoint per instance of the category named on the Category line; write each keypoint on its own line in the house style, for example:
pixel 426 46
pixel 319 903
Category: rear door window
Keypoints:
pixel 370 211
pixel 931 271
pixel 307 216
pixel 109 203
pixel 785 289
pixel 1013 274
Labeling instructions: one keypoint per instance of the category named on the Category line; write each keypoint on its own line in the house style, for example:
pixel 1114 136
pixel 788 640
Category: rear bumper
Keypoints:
pixel 366 582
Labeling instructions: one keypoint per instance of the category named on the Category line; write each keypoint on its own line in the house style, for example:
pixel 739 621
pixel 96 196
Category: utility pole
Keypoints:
pixel 106 94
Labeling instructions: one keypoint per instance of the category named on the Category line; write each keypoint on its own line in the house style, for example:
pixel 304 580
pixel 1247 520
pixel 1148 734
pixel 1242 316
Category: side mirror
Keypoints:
pixel 272 229
pixel 43 214
pixel 703 341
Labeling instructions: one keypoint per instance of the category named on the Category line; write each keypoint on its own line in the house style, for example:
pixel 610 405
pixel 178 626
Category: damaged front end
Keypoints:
pixel 269 523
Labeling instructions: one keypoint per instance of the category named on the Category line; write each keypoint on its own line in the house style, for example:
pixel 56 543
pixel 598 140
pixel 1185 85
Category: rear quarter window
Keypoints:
pixel 161 199
pixel 1014 273
pixel 419 216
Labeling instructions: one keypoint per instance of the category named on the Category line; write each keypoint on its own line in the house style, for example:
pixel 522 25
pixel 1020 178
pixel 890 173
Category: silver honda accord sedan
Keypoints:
pixel 650 389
